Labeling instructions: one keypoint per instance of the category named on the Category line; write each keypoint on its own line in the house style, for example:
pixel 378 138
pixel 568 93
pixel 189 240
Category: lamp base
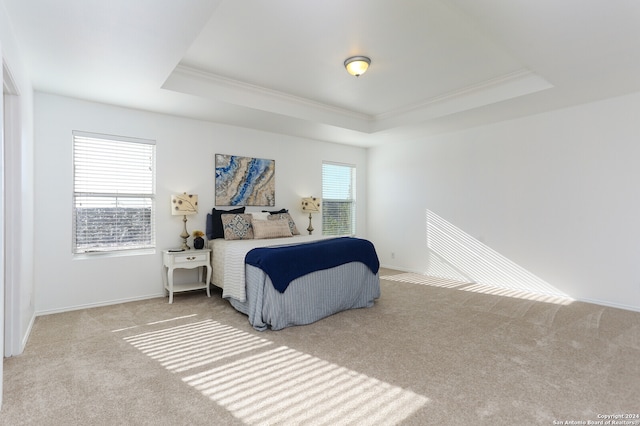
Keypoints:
pixel 310 228
pixel 185 234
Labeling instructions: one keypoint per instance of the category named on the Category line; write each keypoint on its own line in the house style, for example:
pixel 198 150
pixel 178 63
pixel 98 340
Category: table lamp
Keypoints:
pixel 310 205
pixel 184 204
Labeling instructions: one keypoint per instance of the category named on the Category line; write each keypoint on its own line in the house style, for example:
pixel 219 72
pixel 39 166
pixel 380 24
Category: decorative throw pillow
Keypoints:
pixel 237 226
pixel 271 228
pixel 287 216
pixel 260 216
pixel 218 230
pixel 209 226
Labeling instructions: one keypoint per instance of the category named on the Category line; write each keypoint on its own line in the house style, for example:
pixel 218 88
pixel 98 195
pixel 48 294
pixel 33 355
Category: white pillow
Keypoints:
pixel 260 216
pixel 287 216
pixel 270 229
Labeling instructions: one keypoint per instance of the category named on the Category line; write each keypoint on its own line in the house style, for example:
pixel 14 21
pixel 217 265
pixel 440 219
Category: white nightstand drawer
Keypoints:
pixel 191 258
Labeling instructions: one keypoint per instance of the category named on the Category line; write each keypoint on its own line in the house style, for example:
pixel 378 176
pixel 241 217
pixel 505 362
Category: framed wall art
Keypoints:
pixel 245 181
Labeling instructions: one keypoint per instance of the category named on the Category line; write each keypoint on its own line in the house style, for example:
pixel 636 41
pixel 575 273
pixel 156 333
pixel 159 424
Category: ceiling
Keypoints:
pixel 277 65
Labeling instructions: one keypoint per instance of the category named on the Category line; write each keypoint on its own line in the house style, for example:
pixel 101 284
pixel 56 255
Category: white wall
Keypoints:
pixel 556 193
pixel 18 171
pixel 185 163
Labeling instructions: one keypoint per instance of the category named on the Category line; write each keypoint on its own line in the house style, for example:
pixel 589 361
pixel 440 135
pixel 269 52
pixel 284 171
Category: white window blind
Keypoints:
pixel 113 193
pixel 338 199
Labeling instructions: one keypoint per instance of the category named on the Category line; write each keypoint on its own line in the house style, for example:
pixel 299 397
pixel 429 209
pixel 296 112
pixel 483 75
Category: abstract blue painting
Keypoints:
pixel 245 181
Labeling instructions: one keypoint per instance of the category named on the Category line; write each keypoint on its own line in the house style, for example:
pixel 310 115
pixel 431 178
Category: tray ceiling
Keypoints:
pixel 278 65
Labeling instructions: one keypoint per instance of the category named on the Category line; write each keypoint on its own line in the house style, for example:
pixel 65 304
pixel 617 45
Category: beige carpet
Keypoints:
pixel 430 351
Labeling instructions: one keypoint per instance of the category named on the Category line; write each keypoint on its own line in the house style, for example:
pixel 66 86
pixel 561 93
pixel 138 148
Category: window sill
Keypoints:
pixel 109 254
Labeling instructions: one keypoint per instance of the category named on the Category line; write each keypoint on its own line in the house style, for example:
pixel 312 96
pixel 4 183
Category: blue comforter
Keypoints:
pixel 285 264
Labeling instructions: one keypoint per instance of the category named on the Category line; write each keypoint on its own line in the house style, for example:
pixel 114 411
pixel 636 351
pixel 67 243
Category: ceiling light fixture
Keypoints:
pixel 357 65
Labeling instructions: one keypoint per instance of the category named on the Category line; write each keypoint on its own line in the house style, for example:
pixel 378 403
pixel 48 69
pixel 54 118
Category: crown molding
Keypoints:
pixel 507 86
pixel 229 84
pixel 190 80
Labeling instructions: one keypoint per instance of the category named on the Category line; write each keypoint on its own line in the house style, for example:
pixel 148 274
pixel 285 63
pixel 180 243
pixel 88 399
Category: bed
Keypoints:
pixel 320 289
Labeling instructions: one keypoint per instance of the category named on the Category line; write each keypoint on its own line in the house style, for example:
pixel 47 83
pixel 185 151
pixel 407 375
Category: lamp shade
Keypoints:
pixel 311 205
pixel 184 204
pixel 357 65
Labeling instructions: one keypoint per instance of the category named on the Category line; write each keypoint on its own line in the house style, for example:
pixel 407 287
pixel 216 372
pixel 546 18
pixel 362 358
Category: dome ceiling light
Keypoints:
pixel 357 65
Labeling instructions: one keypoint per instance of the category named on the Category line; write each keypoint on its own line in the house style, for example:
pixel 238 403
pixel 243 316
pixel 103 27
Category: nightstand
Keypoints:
pixel 188 259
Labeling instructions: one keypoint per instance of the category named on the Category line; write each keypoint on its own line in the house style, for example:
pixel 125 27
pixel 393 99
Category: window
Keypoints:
pixel 113 193
pixel 338 199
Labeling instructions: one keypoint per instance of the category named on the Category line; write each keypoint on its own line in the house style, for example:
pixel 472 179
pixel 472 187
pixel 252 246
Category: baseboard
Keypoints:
pixel 27 333
pixel 592 301
pixel 610 304
pixel 99 304
pixel 397 268
pixel 25 338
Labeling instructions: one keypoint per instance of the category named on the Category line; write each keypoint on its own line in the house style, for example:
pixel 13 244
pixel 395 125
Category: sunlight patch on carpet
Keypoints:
pixel 413 278
pixel 285 386
pixel 259 384
pixel 518 294
pixel 196 344
pixel 153 323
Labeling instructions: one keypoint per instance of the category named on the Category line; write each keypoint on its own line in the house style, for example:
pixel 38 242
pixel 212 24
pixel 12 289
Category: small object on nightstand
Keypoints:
pixel 182 259
pixel 198 241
